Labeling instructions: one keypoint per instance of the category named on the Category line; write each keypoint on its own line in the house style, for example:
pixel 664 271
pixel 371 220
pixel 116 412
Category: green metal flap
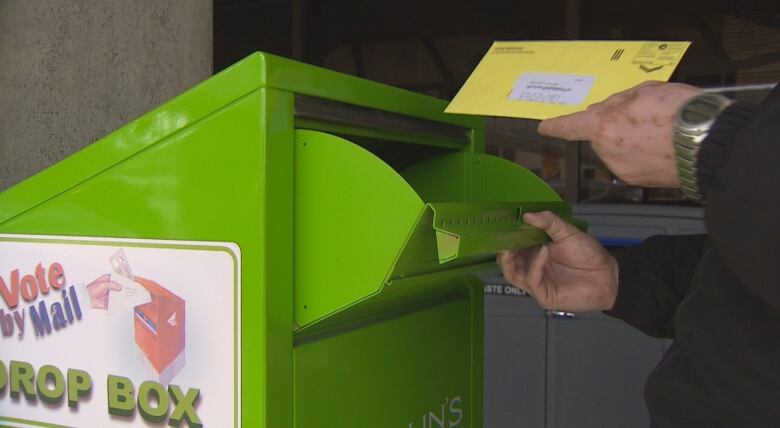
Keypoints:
pixel 451 235
pixel 352 215
pixel 468 229
pixel 476 177
pixel 362 232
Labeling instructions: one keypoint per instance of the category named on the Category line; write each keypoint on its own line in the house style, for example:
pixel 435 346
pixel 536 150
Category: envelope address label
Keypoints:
pixel 129 332
pixel 551 88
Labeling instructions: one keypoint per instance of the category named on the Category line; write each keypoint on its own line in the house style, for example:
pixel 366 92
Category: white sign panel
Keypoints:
pixel 122 333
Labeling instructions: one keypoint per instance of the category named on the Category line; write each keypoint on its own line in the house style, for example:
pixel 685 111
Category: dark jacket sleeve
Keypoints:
pixel 654 277
pixel 739 177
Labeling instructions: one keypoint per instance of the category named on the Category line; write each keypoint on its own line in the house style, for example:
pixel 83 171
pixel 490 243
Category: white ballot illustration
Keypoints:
pixel 132 293
pixel 159 320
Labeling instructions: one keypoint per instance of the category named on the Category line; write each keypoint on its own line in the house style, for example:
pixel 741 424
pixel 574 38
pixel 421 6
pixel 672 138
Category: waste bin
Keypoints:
pixel 280 246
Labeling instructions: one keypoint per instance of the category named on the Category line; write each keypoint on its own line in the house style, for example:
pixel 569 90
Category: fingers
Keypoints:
pixel 578 126
pixel 582 126
pixel 513 267
pixel 525 270
pixel 536 273
pixel 556 229
pixel 111 285
pixel 99 301
pixel 100 289
pixel 504 261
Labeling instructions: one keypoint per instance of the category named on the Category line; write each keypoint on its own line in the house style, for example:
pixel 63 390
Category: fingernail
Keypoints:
pixel 530 217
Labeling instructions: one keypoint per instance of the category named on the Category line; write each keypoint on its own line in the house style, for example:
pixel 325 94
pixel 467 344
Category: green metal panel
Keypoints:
pixel 395 370
pixel 469 229
pixel 352 214
pixel 476 177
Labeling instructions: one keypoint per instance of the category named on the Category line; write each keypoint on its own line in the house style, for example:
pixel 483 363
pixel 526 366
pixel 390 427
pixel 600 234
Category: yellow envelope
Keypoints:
pixel 539 80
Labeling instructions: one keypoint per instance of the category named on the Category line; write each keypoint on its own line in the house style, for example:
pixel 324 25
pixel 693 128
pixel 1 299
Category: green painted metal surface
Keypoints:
pixel 354 313
pixel 352 214
pixel 416 367
pixel 476 177
pixel 468 229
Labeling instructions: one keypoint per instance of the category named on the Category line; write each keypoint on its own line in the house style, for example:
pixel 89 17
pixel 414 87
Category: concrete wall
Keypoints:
pixel 73 71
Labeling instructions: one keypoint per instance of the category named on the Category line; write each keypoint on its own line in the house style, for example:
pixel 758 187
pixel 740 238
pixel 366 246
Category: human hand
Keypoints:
pixel 99 290
pixel 572 273
pixel 631 131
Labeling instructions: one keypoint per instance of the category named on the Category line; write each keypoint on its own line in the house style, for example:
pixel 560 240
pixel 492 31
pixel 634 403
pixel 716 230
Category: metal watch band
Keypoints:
pixel 691 126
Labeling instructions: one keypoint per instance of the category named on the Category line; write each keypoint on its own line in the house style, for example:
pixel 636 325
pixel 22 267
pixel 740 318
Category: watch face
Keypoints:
pixel 702 109
pixel 694 117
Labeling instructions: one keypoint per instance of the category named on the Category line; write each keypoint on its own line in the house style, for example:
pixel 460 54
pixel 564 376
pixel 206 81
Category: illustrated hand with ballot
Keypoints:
pixel 125 293
pixel 99 291
pixel 573 273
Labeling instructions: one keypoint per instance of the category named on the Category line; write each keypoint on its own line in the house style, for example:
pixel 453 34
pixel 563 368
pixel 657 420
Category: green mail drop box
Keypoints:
pixel 280 246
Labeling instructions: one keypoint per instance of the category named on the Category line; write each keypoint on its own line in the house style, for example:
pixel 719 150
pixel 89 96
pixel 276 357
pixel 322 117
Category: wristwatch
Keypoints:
pixel 691 126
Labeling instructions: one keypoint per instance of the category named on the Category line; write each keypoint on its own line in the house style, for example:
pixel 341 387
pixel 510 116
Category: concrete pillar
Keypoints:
pixel 73 71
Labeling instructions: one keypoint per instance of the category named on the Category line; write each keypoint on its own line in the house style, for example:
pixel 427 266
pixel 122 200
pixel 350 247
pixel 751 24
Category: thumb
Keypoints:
pixel 554 226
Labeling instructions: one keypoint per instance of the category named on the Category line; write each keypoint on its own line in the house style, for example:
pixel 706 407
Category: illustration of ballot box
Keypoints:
pixel 160 330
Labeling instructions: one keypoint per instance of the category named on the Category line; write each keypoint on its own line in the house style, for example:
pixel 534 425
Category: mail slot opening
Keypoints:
pixel 398 156
pixel 381 131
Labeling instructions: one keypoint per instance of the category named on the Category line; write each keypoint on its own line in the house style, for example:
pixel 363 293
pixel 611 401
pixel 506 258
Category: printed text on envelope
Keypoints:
pixel 550 88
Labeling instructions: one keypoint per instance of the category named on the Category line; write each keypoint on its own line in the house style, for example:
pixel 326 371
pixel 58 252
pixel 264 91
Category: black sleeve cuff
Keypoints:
pixel 628 292
pixel 715 148
pixel 653 278
pixel 645 308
